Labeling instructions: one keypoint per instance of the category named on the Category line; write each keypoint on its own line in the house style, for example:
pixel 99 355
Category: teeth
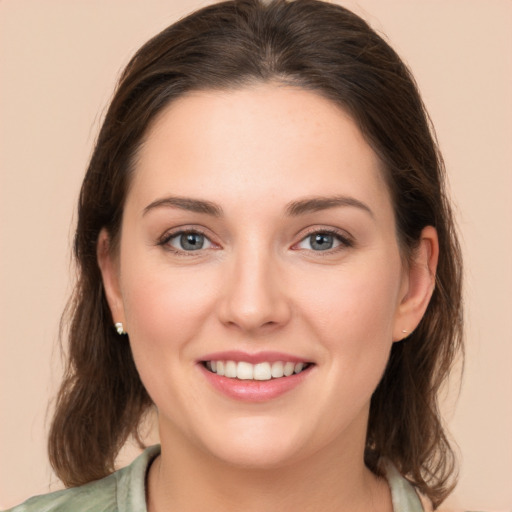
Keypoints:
pixel 288 369
pixel 244 371
pixel 277 370
pixel 230 369
pixel 260 371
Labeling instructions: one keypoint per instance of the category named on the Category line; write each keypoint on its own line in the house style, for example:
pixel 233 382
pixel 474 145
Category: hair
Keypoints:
pixel 310 44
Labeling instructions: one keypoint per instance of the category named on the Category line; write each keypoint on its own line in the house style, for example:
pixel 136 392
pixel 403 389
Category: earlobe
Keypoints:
pixel 420 284
pixel 109 268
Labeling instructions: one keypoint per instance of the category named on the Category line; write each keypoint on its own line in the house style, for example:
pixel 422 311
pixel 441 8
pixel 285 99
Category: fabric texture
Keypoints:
pixel 125 491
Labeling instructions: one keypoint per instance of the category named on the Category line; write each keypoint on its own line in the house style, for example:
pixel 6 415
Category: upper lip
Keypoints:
pixel 254 358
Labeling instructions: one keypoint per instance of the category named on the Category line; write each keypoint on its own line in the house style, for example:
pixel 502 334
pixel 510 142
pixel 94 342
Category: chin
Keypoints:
pixel 256 444
pixel 253 456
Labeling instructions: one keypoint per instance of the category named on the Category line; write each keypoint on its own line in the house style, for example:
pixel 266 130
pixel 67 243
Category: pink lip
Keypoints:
pixel 254 390
pixel 260 357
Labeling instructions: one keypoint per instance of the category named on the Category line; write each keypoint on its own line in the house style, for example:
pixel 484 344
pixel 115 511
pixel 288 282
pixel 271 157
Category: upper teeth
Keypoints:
pixel 260 371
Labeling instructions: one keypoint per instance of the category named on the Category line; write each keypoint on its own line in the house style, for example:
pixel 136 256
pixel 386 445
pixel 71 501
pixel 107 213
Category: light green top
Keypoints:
pixel 124 491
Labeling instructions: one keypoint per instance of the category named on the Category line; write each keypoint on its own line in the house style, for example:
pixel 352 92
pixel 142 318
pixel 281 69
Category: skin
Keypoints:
pixel 259 285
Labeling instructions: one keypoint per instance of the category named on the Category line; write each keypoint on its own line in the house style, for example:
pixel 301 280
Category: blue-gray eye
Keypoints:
pixel 189 241
pixel 321 241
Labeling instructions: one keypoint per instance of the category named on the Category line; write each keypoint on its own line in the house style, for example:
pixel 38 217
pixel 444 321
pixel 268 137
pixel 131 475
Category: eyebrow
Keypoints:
pixel 293 209
pixel 315 204
pixel 185 203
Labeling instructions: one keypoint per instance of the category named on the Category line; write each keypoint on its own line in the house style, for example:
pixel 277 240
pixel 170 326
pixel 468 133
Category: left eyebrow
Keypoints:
pixel 315 204
pixel 186 203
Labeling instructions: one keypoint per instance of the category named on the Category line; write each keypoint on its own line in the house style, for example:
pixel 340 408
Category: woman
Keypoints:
pixel 266 255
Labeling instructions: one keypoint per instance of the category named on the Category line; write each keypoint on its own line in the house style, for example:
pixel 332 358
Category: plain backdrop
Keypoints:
pixel 59 61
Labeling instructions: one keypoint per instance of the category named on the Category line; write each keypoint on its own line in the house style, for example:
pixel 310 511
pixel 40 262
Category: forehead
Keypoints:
pixel 263 140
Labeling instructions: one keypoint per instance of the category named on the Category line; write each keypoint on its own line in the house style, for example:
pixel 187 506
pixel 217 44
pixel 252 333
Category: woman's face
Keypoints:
pixel 258 231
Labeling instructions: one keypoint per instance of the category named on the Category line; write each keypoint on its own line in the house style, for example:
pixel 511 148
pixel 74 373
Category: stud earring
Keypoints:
pixel 119 328
pixel 403 330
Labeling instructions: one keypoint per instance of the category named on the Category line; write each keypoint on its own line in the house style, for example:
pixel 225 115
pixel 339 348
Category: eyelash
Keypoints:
pixel 345 242
pixel 167 237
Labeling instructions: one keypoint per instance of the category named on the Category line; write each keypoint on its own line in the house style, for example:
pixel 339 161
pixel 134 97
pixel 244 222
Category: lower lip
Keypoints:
pixel 254 390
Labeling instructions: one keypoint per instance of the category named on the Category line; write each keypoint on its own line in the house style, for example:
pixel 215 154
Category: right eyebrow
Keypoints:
pixel 315 204
pixel 185 203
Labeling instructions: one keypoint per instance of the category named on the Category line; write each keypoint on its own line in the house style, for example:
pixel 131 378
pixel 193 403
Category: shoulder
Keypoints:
pixel 404 496
pixel 98 496
pixel 122 491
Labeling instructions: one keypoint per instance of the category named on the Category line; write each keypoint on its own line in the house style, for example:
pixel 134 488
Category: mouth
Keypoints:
pixel 262 371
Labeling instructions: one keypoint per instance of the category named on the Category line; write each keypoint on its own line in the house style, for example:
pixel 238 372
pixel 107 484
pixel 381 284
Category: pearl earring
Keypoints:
pixel 119 328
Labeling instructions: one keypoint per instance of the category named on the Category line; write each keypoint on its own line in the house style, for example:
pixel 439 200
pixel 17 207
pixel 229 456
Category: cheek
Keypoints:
pixel 352 315
pixel 360 300
pixel 164 310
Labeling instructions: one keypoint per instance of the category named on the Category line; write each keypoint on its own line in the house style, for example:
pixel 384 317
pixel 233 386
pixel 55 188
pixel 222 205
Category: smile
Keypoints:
pixel 244 370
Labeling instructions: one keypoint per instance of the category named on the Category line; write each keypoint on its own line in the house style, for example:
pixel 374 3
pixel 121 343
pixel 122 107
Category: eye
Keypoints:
pixel 188 241
pixel 323 241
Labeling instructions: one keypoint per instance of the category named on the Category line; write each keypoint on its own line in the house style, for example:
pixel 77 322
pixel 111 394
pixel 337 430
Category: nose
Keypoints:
pixel 254 297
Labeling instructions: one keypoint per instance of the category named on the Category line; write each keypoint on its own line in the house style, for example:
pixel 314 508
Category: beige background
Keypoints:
pixel 59 60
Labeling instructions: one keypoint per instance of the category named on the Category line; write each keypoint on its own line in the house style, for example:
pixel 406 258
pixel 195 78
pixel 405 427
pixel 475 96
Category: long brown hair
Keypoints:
pixel 310 44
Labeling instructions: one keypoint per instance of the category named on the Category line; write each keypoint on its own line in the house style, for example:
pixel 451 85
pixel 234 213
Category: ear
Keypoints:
pixel 109 267
pixel 418 285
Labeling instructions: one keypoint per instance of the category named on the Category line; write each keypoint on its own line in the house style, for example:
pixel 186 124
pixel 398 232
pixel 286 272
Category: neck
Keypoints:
pixel 185 479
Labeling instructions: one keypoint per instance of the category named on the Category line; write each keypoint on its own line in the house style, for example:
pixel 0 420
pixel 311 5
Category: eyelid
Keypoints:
pixel 345 239
pixel 178 231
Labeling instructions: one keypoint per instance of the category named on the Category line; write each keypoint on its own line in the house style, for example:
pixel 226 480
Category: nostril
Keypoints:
pixel 254 300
